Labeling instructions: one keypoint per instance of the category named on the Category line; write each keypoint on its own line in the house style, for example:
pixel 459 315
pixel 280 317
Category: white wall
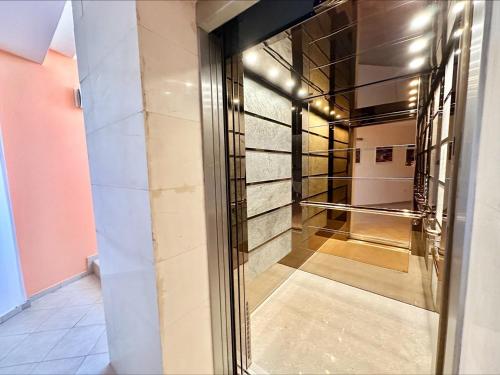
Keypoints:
pixel 481 329
pixel 11 286
pixel 373 191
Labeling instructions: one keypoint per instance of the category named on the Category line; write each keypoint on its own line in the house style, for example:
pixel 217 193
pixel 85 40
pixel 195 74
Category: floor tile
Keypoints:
pixel 94 316
pixel 51 300
pixel 7 343
pixel 64 318
pixel 87 282
pixel 64 366
pixel 26 321
pixel 18 370
pixel 316 325
pixel 77 342
pixel 97 364
pixel 33 348
pixel 63 298
pixel 101 346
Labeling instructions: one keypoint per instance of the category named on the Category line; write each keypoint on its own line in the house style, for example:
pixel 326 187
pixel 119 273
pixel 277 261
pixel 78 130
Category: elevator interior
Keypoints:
pixel 340 137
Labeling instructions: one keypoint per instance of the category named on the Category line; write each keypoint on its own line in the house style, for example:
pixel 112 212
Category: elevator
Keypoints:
pixel 333 141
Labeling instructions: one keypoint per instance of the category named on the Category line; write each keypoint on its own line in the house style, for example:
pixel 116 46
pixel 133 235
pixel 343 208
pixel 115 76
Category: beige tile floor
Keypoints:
pixel 62 332
pixel 313 325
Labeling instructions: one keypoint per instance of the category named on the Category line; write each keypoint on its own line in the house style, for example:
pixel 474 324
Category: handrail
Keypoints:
pixel 365 209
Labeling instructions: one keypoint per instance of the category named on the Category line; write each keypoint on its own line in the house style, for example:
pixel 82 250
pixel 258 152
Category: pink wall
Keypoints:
pixel 47 167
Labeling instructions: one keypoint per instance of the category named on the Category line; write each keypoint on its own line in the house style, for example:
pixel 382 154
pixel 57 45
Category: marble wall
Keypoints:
pixel 268 142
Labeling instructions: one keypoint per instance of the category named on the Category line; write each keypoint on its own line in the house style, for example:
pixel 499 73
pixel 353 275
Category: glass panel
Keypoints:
pixel 439 205
pixel 443 160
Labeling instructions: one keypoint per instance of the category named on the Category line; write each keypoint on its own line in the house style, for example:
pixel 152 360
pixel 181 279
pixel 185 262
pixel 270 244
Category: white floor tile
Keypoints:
pixel 66 366
pixel 64 318
pixel 63 298
pixel 94 316
pixel 87 282
pixel 18 370
pixel 26 321
pixel 33 348
pixel 7 343
pixel 97 364
pixel 101 346
pixel 77 342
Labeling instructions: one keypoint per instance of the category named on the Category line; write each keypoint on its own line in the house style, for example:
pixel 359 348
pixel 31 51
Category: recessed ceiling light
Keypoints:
pixel 273 73
pixel 416 63
pixel 188 84
pixel 236 101
pixel 418 45
pixel 414 83
pixel 457 33
pixel 327 108
pixel 411 105
pixel 422 19
pixel 290 83
pixel 338 116
pixel 250 58
pixel 412 98
pixel 412 91
pixel 301 92
pixel 332 112
pixel 167 92
pixel 457 52
pixel 293 108
pixel 458 7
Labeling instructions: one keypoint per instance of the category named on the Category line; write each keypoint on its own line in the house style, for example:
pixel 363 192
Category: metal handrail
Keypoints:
pixel 365 209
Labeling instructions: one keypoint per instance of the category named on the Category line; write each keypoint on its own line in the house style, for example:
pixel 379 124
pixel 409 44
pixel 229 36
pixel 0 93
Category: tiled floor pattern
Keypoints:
pixel 313 325
pixel 62 332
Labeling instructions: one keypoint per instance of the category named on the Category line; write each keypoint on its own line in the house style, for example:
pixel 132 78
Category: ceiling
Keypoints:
pixel 29 28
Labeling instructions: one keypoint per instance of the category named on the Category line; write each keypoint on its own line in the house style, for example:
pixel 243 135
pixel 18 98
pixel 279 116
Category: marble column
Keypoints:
pixel 138 67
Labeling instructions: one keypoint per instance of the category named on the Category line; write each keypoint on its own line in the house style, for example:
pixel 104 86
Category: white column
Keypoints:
pixel 138 66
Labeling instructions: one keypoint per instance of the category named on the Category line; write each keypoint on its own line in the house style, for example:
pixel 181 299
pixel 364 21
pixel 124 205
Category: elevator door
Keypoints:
pixel 340 149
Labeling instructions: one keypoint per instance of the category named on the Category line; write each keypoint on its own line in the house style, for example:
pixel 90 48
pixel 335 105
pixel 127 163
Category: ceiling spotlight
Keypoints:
pixel 458 7
pixel 273 73
pixel 412 91
pixel 293 108
pixel 457 33
pixel 457 52
pixel 418 45
pixel 422 19
pixel 332 112
pixel 412 98
pixel 302 92
pixel 250 58
pixel 414 83
pixel 327 108
pixel 317 103
pixel 411 105
pixel 416 63
pixel 290 83
pixel 338 116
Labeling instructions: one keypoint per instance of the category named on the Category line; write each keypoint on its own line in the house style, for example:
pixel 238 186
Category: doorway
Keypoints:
pixel 339 149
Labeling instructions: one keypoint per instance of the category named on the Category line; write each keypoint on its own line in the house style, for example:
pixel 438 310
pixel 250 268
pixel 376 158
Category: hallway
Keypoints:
pixel 62 332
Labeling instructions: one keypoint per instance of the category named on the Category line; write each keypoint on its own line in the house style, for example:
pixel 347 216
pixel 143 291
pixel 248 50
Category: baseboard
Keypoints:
pixel 59 285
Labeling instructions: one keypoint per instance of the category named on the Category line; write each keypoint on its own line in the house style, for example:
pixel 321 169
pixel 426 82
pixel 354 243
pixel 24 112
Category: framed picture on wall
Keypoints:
pixel 383 154
pixel 410 155
pixel 357 156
